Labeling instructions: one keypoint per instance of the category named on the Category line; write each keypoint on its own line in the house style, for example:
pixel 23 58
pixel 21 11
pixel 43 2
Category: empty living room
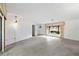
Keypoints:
pixel 39 29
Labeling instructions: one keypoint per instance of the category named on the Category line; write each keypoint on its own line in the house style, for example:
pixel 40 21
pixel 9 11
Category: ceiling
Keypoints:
pixel 43 11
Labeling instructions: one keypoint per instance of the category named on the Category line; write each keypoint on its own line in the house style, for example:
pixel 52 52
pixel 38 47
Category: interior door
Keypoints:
pixel 0 33
pixel 33 30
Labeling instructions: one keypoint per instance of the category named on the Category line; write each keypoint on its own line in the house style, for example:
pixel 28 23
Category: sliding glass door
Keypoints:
pixel 0 33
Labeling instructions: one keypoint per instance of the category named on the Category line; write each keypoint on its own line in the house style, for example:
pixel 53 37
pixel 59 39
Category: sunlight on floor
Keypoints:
pixel 49 38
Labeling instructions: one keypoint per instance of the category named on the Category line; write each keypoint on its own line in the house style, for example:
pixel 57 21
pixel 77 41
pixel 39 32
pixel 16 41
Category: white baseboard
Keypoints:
pixel 72 39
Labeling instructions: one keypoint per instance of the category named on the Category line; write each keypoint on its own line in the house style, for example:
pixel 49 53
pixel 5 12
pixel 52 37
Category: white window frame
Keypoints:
pixel 3 33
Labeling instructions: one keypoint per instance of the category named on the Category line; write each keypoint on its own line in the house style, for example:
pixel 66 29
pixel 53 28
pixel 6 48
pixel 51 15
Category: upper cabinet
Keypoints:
pixel 3 9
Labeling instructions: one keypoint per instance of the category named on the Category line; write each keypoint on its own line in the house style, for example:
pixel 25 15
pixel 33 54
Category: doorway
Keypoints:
pixel 33 30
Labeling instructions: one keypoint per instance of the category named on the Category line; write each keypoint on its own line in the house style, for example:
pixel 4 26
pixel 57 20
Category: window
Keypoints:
pixel 54 29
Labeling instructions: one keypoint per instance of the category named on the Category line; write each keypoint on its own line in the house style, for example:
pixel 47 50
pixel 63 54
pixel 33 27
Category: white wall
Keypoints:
pixel 22 31
pixel 40 30
pixel 72 29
